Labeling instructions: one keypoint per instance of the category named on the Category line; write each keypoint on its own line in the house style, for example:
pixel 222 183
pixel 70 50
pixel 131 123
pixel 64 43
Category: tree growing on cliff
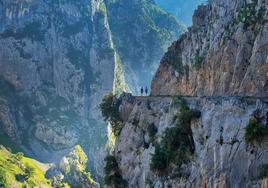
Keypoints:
pixel 264 171
pixel 177 145
pixel 159 160
pixel 255 130
pixel 110 111
pixel 113 177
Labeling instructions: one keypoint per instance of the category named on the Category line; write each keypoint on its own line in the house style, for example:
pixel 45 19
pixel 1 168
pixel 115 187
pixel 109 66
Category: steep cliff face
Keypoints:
pixel 216 137
pixel 57 60
pixel 142 31
pixel 224 52
pixel 53 73
pixel 222 157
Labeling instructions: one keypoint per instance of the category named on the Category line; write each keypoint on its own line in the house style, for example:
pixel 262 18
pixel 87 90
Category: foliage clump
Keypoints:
pixel 255 130
pixel 16 169
pixel 178 101
pixel 110 111
pixel 177 145
pixel 177 64
pixel 113 177
pixel 176 61
pixel 152 130
pixel 32 30
pixel 198 60
pixel 264 171
pixel 250 16
pixel 3 181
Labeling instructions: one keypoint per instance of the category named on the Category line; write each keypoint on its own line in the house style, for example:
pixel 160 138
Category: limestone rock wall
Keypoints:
pixel 224 53
pixel 220 66
pixel 226 163
pixel 56 62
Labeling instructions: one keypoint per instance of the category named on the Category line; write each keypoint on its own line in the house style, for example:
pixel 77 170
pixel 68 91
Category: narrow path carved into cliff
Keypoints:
pixel 169 97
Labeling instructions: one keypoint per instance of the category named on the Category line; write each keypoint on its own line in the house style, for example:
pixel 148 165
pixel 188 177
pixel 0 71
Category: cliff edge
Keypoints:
pixel 217 135
pixel 224 53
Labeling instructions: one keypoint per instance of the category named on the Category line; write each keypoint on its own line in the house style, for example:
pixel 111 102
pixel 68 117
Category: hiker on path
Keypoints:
pixel 141 91
pixel 146 90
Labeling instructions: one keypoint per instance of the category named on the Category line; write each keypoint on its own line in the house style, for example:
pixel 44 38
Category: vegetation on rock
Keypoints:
pixel 198 59
pixel 31 30
pixel 255 130
pixel 177 145
pixel 119 78
pixel 113 177
pixel 110 111
pixel 73 166
pixel 152 130
pixel 264 171
pixel 16 170
pixel 250 16
pixel 176 61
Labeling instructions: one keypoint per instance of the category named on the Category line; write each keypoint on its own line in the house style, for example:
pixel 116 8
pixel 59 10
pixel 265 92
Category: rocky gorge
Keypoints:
pixel 57 60
pixel 205 123
pixel 221 158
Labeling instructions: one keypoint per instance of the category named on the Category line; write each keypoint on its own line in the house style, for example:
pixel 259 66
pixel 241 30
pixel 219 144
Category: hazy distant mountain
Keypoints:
pixel 182 9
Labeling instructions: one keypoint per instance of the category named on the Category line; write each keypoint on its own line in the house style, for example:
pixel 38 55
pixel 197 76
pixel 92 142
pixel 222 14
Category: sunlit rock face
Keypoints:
pixel 224 53
pixel 57 60
pixel 222 158
pixel 54 70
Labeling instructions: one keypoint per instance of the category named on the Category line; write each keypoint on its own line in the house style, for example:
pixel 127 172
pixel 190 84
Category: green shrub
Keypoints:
pixel 159 160
pixel 3 181
pixel 247 14
pixel 21 177
pixel 174 57
pixel 177 64
pixel 185 116
pixel 177 145
pixel 19 155
pixel 110 111
pixel 32 30
pixel 250 16
pixel 29 171
pixel 198 60
pixel 264 171
pixel 255 131
pixel 152 130
pixel 112 172
pixel 178 101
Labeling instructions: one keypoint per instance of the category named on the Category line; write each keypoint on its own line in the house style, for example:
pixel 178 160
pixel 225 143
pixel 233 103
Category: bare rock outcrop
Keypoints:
pixel 224 53
pixel 220 66
pixel 222 157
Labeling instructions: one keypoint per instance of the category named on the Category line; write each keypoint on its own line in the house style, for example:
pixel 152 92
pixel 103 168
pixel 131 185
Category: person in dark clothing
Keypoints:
pixel 142 91
pixel 146 90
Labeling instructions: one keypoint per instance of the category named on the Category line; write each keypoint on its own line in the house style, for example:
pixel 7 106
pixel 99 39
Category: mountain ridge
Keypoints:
pixel 205 122
pixel 58 58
